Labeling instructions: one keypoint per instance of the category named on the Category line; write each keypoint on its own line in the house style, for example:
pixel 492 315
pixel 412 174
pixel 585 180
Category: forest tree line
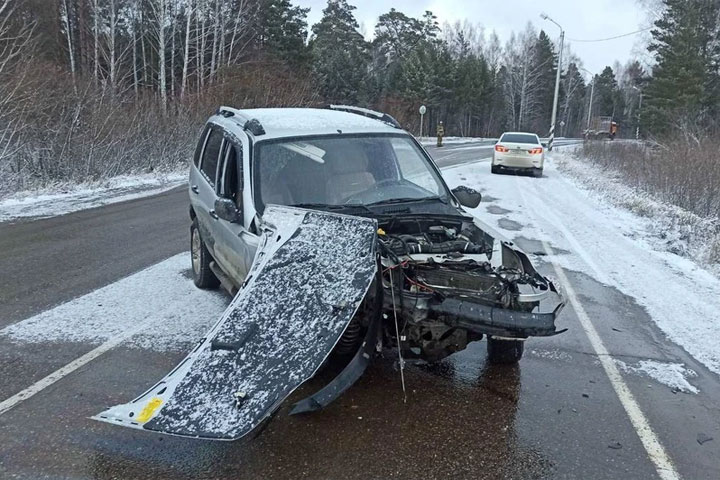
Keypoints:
pixel 94 88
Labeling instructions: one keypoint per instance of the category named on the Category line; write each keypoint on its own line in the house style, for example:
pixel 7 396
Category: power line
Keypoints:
pixel 611 38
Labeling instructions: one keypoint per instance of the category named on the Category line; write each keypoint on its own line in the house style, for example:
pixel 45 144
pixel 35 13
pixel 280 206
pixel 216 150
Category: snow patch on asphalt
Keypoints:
pixel 674 375
pixel 611 245
pixel 63 199
pixel 162 294
pixel 551 354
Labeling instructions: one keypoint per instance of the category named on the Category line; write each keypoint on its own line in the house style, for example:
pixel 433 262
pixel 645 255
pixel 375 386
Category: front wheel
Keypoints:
pixel 203 276
pixel 502 351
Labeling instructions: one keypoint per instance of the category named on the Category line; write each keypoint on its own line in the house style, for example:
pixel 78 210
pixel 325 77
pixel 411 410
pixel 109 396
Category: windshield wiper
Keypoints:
pixel 325 206
pixel 393 201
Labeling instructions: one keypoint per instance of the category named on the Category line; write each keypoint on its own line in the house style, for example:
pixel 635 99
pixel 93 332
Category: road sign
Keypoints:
pixel 422 109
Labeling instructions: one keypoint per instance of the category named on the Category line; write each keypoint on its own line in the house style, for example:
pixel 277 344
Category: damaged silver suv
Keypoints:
pixel 338 236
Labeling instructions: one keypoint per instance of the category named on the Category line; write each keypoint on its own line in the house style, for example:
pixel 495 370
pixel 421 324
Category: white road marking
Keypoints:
pixel 655 450
pixel 62 372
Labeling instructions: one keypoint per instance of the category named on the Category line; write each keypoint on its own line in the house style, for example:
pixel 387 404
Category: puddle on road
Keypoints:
pixel 495 210
pixel 508 224
pixel 535 247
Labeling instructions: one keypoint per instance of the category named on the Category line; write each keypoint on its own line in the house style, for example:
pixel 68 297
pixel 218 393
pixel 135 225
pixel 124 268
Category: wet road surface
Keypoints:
pixel 555 415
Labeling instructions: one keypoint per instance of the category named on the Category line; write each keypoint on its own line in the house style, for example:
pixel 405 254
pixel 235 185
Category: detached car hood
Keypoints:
pixel 309 277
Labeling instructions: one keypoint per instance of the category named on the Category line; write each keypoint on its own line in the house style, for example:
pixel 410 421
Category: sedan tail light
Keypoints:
pixel 501 148
pixel 535 151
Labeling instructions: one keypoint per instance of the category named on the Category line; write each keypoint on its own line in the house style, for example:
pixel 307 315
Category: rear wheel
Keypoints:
pixel 537 173
pixel 494 169
pixel 203 276
pixel 501 351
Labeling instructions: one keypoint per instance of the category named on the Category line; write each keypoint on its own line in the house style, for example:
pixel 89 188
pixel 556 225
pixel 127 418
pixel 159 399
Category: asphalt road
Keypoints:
pixel 555 415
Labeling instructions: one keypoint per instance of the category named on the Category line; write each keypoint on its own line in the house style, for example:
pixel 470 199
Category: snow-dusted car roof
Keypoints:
pixel 289 122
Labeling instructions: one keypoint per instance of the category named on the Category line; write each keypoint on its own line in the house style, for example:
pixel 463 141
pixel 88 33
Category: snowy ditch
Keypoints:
pixel 63 199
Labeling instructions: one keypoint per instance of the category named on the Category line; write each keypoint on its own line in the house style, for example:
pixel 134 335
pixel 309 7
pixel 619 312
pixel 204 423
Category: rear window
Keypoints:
pixel 520 138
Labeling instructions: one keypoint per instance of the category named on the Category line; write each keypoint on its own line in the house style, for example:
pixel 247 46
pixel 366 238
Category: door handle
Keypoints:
pixel 195 189
pixel 213 214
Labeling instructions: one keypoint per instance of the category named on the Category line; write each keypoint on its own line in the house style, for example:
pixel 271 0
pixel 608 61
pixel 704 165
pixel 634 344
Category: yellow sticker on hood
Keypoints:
pixel 149 409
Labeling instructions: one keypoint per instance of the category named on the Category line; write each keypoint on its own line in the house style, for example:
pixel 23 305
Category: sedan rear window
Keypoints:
pixel 519 138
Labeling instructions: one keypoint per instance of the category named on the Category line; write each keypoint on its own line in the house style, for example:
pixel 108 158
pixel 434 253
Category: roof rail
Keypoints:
pixel 365 112
pixel 252 125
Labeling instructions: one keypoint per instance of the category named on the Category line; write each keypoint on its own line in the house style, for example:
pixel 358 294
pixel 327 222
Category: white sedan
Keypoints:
pixel 518 151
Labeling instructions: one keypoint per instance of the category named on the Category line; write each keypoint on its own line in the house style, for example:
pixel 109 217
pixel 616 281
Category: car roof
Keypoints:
pixel 291 122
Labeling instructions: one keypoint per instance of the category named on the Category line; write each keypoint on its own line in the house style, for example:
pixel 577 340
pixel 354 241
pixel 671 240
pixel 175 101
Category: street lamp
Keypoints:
pixel 592 90
pixel 557 81
pixel 637 128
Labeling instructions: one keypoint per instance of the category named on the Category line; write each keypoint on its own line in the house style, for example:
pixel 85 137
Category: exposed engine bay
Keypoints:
pixel 434 271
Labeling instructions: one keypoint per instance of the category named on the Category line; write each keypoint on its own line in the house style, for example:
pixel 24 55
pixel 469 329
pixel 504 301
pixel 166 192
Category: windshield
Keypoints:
pixel 520 138
pixel 343 171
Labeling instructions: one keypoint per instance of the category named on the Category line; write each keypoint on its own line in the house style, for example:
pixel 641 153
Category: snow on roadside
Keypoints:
pixel 54 201
pixel 179 312
pixel 667 227
pixel 611 245
pixel 674 375
pixel 429 141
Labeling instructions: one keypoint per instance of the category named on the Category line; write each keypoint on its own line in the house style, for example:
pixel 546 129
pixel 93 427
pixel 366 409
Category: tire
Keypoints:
pixel 200 259
pixel 494 169
pixel 537 173
pixel 504 352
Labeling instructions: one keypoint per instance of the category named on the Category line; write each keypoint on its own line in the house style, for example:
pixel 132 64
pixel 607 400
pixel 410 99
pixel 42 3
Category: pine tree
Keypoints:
pixel 281 30
pixel 607 99
pixel 340 53
pixel 684 89
pixel 545 61
pixel 572 107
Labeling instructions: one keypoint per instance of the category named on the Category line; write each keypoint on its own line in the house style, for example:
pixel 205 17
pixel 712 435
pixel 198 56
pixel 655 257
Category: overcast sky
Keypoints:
pixel 581 20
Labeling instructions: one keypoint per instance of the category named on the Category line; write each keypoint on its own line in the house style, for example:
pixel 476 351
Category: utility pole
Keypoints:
pixel 592 90
pixel 637 129
pixel 557 81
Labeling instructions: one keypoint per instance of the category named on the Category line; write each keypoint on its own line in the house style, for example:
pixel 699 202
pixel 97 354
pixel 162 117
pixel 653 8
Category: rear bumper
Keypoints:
pixel 514 162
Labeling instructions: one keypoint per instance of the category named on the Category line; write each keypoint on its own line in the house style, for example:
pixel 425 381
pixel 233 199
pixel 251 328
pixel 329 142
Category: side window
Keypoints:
pixel 210 155
pixel 200 146
pixel 232 174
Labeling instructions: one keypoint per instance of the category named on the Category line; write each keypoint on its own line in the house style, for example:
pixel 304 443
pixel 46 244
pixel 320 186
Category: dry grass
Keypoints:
pixel 79 132
pixel 677 172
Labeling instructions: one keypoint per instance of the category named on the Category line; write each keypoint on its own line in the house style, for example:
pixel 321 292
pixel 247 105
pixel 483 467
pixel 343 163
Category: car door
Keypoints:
pixel 203 179
pixel 235 245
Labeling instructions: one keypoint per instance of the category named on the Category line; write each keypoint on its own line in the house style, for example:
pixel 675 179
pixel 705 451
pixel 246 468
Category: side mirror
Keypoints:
pixel 544 144
pixel 225 208
pixel 467 196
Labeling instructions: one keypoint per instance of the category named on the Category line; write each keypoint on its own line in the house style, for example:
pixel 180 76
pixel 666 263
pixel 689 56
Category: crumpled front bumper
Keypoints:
pixel 463 312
